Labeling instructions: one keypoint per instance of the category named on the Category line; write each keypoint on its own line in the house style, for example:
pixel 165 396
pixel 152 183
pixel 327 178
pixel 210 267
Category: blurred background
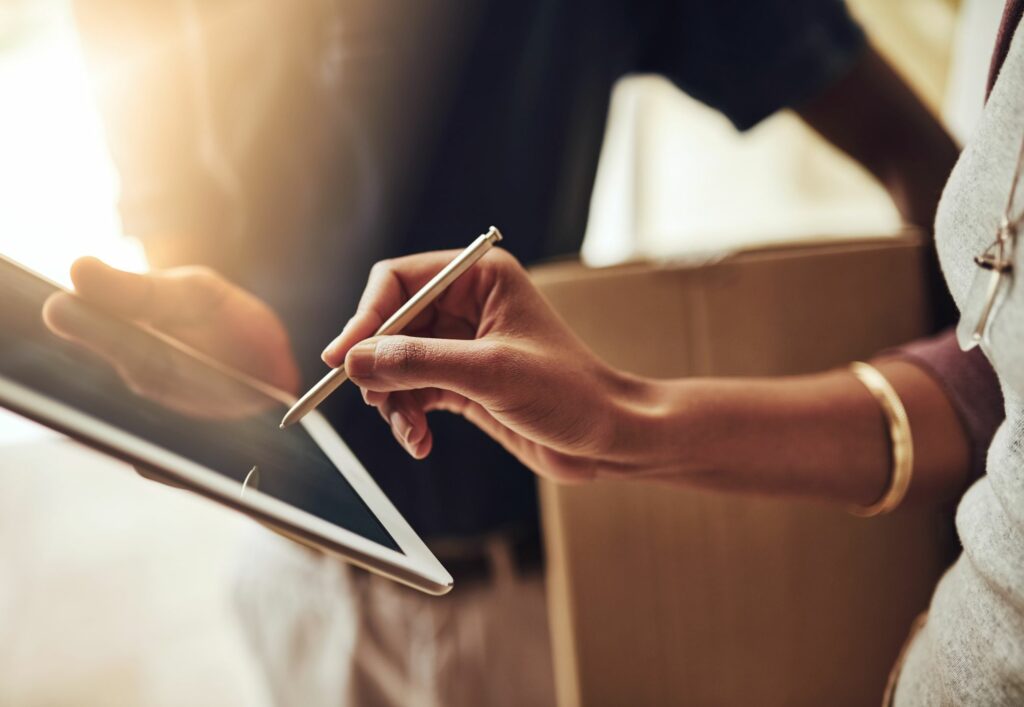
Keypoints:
pixel 115 591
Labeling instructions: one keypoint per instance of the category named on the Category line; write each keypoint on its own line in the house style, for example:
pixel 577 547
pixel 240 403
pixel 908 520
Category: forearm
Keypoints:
pixel 873 116
pixel 819 436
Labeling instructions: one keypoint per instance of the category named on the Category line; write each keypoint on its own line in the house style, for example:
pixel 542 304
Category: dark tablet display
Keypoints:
pixel 236 429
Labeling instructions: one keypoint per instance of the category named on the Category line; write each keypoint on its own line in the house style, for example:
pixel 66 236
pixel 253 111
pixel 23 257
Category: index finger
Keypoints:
pixel 390 285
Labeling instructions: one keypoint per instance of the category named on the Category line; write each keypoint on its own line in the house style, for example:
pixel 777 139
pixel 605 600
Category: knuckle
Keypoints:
pixel 509 362
pixel 364 319
pixel 500 362
pixel 403 356
pixel 202 276
pixel 381 269
pixel 507 272
pixel 506 262
pixel 207 282
pixel 494 354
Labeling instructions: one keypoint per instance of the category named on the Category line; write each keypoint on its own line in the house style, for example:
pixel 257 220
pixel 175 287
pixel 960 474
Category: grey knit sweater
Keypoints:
pixel 971 649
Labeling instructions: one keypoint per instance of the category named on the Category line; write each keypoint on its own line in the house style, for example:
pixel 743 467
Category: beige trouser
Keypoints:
pixel 327 634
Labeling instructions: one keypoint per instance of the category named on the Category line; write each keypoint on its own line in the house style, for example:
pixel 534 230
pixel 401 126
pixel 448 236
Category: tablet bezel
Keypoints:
pixel 415 566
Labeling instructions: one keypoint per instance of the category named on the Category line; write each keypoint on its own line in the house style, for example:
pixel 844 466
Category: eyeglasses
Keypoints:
pixel 993 285
pixel 989 287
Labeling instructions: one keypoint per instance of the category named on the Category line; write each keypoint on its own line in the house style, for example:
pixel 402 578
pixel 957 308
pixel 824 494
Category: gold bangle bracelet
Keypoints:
pixel 900 440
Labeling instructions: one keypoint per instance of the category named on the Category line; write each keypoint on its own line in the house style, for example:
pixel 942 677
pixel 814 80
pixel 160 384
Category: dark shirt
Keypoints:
pixel 293 146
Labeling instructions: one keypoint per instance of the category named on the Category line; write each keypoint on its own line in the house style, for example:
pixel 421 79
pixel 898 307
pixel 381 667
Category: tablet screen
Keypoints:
pixel 234 432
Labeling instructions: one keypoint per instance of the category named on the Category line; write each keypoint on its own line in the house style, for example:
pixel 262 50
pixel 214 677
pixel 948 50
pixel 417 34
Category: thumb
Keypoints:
pixel 124 293
pixel 467 367
pixel 176 296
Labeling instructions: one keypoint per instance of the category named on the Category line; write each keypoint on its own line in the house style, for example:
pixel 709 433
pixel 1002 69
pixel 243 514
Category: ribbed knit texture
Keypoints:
pixel 971 650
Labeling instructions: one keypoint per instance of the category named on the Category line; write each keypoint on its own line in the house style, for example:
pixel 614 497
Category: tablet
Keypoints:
pixel 303 482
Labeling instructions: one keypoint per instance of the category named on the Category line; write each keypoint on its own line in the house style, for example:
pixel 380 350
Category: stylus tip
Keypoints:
pixel 296 413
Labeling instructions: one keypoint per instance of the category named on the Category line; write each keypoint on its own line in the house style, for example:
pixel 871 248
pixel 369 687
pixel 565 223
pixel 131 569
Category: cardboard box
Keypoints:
pixel 668 596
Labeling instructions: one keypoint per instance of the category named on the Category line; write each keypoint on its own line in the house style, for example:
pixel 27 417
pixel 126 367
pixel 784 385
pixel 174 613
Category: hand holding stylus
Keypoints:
pixel 491 349
pixel 401 318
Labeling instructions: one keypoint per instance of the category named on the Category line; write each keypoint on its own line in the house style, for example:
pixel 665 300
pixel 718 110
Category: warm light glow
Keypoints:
pixel 58 187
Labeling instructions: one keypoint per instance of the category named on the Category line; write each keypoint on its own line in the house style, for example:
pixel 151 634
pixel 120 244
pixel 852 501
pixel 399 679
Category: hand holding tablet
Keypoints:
pixel 190 369
pixel 193 306
pixel 134 392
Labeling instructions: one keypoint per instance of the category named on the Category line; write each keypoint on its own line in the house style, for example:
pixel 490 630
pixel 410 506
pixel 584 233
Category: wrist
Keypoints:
pixel 654 425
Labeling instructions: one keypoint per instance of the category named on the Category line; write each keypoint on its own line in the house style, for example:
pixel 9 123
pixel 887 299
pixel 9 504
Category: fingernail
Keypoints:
pixel 359 361
pixel 402 428
pixel 330 353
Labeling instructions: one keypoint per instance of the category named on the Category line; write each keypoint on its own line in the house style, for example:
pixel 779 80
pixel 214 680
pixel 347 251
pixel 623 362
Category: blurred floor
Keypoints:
pixel 113 590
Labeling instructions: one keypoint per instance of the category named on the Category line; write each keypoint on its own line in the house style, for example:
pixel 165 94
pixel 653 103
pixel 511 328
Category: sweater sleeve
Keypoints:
pixel 970 384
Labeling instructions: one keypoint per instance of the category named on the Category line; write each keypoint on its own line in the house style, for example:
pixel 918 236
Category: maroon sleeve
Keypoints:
pixel 969 382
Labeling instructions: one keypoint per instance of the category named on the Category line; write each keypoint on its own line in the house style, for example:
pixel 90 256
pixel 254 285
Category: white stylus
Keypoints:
pixel 398 321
